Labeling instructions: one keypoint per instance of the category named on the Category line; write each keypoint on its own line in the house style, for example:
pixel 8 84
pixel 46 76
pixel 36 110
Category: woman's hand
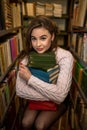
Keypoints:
pixel 24 72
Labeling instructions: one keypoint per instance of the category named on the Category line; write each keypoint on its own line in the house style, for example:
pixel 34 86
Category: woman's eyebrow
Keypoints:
pixel 40 36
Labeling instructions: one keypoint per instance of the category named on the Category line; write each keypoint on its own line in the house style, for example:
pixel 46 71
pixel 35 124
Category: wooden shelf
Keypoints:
pixel 79 29
pixel 5 32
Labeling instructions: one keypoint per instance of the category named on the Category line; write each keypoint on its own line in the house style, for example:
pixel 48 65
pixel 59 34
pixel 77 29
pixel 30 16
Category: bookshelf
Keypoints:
pixel 78 47
pixel 59 11
pixel 11 50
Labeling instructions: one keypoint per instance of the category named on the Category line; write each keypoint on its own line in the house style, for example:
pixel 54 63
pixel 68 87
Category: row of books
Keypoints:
pixel 80 75
pixel 7 91
pixel 40 8
pixel 10 15
pixel 78 116
pixel 44 66
pixel 9 50
pixel 79 45
pixel 79 12
pixel 10 104
pixel 78 111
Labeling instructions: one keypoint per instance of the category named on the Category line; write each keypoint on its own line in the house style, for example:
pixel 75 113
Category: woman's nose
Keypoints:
pixel 38 43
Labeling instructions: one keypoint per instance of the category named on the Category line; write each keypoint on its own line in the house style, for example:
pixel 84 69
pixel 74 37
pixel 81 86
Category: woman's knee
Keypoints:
pixel 40 125
pixel 26 123
pixel 29 118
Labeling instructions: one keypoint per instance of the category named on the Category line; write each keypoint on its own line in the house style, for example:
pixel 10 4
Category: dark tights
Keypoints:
pixel 41 120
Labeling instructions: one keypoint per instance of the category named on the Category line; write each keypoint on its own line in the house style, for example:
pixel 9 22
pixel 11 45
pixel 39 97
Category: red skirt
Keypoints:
pixel 42 105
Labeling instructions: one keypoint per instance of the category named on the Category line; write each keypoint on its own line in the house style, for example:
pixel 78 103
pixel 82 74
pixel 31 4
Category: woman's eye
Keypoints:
pixel 33 38
pixel 43 38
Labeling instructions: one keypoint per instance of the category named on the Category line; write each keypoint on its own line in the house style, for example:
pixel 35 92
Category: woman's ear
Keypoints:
pixel 53 36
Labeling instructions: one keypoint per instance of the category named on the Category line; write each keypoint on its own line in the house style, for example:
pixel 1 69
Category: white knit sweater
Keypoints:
pixel 36 89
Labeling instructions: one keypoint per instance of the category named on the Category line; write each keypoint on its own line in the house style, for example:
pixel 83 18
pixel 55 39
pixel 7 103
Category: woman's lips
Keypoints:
pixel 39 49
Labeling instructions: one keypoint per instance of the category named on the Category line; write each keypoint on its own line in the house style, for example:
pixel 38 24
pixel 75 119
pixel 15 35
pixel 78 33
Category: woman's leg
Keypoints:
pixel 29 118
pixel 45 119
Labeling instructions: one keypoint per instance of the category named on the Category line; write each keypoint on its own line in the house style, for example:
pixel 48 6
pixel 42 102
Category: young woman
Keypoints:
pixel 41 37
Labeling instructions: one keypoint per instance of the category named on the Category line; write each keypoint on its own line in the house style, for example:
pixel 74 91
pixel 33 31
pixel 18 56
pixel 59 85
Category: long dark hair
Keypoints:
pixel 45 22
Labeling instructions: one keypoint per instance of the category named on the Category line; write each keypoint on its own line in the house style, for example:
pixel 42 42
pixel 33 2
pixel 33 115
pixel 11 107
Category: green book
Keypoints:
pixel 77 71
pixel 42 61
pixel 46 54
pixel 84 82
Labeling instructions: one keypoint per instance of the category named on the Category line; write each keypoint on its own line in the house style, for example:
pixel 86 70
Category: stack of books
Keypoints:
pixel 49 9
pixel 30 9
pixel 40 8
pixel 44 66
pixel 58 10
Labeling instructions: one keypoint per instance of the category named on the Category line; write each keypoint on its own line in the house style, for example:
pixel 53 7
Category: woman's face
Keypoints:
pixel 41 39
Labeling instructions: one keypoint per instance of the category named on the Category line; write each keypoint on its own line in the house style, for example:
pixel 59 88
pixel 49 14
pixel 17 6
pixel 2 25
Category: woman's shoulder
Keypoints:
pixel 60 53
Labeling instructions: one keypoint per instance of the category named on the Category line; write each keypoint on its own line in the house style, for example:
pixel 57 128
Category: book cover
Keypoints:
pixel 3 99
pixel 80 76
pixel 11 80
pixel 2 58
pixel 81 13
pixel 45 76
pixel 30 9
pixel 8 53
pixel 46 54
pixel 84 82
pixel 53 78
pixel 5 89
pixel 74 94
pixel 77 71
pixel 53 71
pixel 40 74
pixel 17 103
pixel 12 46
pixel 44 67
pixel 42 61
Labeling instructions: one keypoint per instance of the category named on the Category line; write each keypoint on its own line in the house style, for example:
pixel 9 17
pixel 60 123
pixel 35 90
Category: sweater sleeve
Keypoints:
pixel 56 92
pixel 26 91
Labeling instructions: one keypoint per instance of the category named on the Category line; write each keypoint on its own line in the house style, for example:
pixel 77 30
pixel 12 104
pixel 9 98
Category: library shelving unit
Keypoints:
pixel 11 49
pixel 78 47
pixel 61 14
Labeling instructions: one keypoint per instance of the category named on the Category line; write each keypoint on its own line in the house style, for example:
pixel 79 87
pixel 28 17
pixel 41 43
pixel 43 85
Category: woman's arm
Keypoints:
pixel 46 91
pixel 26 91
pixel 22 88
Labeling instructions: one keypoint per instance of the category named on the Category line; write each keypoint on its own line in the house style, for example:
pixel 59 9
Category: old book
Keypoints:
pixel 79 44
pixel 77 71
pixel 42 61
pixel 84 50
pixel 14 47
pixel 3 100
pixel 84 82
pixel 30 9
pixel 2 58
pixel 47 54
pixel 82 6
pixel 80 76
pixel 40 74
pixel 50 76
